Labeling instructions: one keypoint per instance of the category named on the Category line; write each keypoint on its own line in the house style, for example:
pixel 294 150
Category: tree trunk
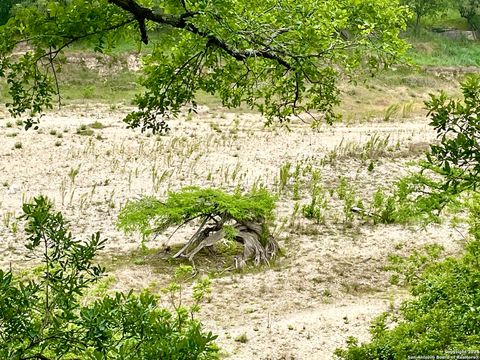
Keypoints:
pixel 249 234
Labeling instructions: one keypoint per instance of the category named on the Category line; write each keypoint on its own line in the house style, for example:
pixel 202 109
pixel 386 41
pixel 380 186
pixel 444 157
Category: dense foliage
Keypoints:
pixel 233 218
pixel 150 215
pixel 283 58
pixel 46 317
pixel 470 10
pixel 443 316
pixel 6 10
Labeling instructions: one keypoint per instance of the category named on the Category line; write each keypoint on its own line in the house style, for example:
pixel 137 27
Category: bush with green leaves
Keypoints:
pixel 413 200
pixel 243 218
pixel 347 193
pixel 444 313
pixel 456 157
pixel 45 317
pixel 443 316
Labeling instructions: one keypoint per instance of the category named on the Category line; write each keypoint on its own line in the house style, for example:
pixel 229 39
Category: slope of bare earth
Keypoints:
pixel 330 282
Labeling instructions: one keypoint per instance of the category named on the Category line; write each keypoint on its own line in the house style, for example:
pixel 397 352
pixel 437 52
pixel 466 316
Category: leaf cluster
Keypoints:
pixel 283 59
pixel 44 318
pixel 150 215
pixel 456 157
pixel 441 319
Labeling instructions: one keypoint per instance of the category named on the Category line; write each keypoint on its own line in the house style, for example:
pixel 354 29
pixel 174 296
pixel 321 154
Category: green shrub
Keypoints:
pixel 443 316
pixel 318 206
pixel 415 199
pixel 243 218
pixel 45 318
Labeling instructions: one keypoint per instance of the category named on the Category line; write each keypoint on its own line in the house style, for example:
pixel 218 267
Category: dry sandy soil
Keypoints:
pixel 329 284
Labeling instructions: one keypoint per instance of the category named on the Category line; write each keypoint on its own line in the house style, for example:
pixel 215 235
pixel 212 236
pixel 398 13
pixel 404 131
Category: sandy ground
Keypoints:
pixel 329 284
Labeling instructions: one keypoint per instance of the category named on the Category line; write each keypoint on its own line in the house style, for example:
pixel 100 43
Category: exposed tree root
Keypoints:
pixel 257 246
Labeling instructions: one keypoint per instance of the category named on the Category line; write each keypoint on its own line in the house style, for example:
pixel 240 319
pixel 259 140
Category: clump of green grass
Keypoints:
pixel 391 112
pixel 97 125
pixel 85 131
pixel 242 338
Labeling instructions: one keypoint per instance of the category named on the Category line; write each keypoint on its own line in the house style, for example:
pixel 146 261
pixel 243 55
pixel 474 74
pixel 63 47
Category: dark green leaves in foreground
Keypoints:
pixel 46 317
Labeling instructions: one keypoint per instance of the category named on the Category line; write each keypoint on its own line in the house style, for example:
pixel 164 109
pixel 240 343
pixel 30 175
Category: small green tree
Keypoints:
pixel 45 318
pixel 470 11
pixel 243 218
pixel 282 58
pixel 422 8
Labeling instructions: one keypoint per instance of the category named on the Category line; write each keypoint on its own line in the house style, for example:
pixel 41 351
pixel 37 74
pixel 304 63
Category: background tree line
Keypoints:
pixel 468 9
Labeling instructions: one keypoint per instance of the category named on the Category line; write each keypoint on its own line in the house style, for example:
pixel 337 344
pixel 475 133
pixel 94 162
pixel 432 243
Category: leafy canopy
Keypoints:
pixel 283 58
pixel 149 215
pixel 46 318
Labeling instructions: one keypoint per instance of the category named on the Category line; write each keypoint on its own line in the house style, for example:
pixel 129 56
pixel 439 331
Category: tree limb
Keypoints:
pixel 180 22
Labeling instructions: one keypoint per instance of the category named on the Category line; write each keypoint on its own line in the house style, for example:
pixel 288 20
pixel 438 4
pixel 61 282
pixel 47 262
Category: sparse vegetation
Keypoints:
pixel 97 125
pixel 84 130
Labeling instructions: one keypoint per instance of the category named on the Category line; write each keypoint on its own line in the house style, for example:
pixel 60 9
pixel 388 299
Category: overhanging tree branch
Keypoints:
pixel 279 58
pixel 142 13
